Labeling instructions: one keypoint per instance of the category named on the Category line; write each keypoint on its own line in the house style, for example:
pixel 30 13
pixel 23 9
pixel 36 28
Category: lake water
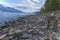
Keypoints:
pixel 6 16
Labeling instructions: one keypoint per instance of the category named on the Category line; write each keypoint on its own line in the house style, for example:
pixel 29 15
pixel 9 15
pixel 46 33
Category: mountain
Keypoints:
pixel 9 9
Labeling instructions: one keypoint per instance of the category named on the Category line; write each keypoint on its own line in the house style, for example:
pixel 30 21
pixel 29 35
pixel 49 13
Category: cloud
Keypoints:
pixel 6 4
pixel 31 6
pixel 36 0
pixel 26 5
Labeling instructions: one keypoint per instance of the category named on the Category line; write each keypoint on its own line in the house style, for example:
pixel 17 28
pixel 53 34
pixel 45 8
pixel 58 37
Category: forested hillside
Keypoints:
pixel 51 5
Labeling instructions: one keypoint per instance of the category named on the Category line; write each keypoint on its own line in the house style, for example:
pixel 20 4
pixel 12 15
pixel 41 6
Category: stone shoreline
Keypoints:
pixel 33 27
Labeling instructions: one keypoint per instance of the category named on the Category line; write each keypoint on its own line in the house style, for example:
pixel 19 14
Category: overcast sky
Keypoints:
pixel 24 5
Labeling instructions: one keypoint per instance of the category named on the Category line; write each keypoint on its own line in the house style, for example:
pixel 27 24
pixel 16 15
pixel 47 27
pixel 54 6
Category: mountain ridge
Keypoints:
pixel 9 9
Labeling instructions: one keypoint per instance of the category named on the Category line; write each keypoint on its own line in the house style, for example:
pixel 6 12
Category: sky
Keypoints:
pixel 24 5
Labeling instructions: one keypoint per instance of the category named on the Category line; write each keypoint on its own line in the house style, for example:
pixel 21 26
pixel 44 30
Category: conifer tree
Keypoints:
pixel 51 5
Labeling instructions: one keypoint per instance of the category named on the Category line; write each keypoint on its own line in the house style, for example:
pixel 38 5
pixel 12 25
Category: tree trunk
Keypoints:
pixel 55 26
pixel 48 26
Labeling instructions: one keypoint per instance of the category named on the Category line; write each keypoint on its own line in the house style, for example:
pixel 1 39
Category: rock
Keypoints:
pixel 3 37
pixel 24 36
pixel 19 32
pixel 51 35
pixel 34 32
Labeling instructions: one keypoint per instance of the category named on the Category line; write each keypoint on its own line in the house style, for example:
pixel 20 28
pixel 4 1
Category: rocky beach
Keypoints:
pixel 32 27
